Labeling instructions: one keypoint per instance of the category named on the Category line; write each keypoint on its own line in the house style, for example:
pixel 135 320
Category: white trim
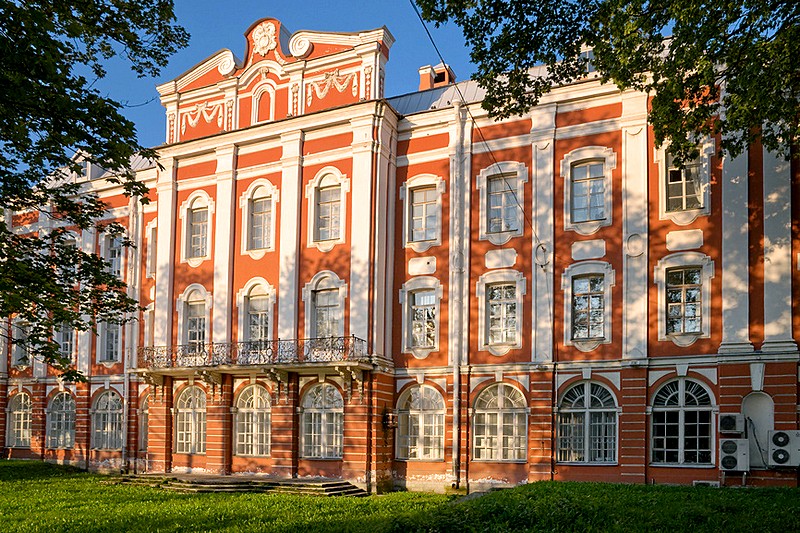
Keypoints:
pixel 100 345
pixel 181 308
pixel 270 191
pixel 151 265
pixel 684 259
pixel 486 280
pixel 242 304
pixel 206 201
pixel 421 181
pixel 322 280
pixel 511 170
pixel 582 155
pixel 409 287
pixel 582 269
pixel 332 176
pixel 682 218
pixel 264 87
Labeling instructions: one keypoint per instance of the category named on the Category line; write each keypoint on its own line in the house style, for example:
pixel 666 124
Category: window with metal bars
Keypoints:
pixel 681 424
pixel 587 425
pixel 500 424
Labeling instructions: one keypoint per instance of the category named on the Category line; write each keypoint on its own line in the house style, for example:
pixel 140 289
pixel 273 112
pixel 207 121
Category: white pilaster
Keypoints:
pixel 84 343
pixel 543 131
pixel 291 182
pixel 166 187
pixel 223 244
pixel 735 257
pixel 777 255
pixel 634 225
pixel 460 190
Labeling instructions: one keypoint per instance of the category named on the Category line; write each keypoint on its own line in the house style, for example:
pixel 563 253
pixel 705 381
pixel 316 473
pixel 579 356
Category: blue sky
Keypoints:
pixel 215 24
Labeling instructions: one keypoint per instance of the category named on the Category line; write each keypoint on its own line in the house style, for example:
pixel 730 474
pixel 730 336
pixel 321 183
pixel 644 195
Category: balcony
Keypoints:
pixel 292 352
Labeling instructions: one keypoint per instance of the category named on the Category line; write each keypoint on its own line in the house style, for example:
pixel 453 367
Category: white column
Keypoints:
pixel 223 244
pixel 634 225
pixel 361 217
pixel 543 138
pixel 166 187
pixel 291 182
pixel 777 255
pixel 735 257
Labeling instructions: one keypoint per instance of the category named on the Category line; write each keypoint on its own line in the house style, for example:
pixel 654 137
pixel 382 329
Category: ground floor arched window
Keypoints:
pixel 253 421
pixel 420 424
pixel 19 421
pixel 322 422
pixel 500 424
pixel 107 421
pixel 681 426
pixel 190 421
pixel 61 421
pixel 587 424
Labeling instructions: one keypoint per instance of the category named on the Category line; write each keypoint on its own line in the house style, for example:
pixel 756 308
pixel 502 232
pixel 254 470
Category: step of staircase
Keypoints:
pixel 232 484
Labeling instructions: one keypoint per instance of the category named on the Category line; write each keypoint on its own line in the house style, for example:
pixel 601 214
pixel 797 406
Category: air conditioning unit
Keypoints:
pixel 784 448
pixel 734 455
pixel 731 423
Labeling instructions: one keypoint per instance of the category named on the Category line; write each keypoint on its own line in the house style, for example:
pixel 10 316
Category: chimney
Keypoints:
pixel 439 76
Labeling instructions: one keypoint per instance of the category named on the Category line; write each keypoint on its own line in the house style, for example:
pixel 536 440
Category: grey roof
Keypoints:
pixel 439 97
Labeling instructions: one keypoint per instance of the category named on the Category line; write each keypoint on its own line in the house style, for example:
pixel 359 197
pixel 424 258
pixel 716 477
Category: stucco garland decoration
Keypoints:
pixel 205 111
pixel 264 38
pixel 332 79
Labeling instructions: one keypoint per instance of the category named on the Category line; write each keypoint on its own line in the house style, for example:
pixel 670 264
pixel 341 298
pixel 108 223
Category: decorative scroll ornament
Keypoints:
pixel 332 79
pixel 264 38
pixel 208 113
pixel 227 65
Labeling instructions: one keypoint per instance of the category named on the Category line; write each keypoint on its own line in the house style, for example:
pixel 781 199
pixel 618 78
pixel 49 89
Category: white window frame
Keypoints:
pixel 266 86
pixel 199 199
pixel 678 260
pixel 259 189
pixel 60 423
pixel 194 418
pixel 577 270
pixel 584 414
pixel 685 217
pixel 151 233
pixel 582 155
pixel 681 409
pixel 419 283
pixel 21 354
pixel 19 420
pixel 330 445
pixel 513 170
pixel 253 425
pixel 183 301
pixel 429 423
pixel 495 277
pixel 421 181
pixel 107 423
pixel 108 244
pixel 329 176
pixel 498 436
pixel 322 281
pixel 102 344
pixel 262 288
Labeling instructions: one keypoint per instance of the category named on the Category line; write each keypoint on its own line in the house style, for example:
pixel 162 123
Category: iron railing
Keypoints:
pixel 280 351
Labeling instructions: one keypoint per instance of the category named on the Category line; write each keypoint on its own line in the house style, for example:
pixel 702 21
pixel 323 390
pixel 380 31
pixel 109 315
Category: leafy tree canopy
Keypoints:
pixel 51 119
pixel 728 67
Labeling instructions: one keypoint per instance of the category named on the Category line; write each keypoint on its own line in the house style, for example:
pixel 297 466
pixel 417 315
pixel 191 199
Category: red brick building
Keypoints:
pixel 400 291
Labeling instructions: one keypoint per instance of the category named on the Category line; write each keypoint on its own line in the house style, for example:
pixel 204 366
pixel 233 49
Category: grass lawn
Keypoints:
pixel 36 496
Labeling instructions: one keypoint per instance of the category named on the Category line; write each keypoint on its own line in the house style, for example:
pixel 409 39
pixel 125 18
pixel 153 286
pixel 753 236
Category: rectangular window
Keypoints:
pixel 683 185
pixel 502 302
pixel 326 311
pixel 65 337
pixel 258 319
pixel 684 306
pixel 196 326
pixel 152 252
pixel 423 214
pixel 423 319
pixel 588 307
pixel 114 255
pixel 588 192
pixel 21 353
pixel 328 209
pixel 502 206
pixel 198 232
pixel 110 342
pixel 260 223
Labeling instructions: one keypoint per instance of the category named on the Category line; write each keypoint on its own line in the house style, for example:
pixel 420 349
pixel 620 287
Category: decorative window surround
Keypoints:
pixel 265 87
pixel 255 287
pixel 252 422
pixel 582 155
pixel 500 424
pixel 684 259
pixel 322 281
pixel 406 300
pixel 422 408
pixel 258 190
pixel 484 282
pixel 587 425
pixel 113 252
pixel 199 199
pixel 680 440
pixel 327 177
pixel 193 293
pixel 517 175
pixel 576 270
pixel 322 422
pixel 682 218
pixel 109 343
pixel 406 195
pixel 190 421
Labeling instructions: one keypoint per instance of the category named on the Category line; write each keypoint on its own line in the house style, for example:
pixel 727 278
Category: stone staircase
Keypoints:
pixel 200 483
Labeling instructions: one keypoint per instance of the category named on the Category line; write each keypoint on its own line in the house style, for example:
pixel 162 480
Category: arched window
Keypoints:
pixel 61 421
pixel 420 427
pixel 190 421
pixel 195 322
pixel 107 421
pixel 253 421
pixel 144 422
pixel 327 206
pixel 682 423
pixel 323 414
pixel 500 424
pixel 587 425
pixel 324 298
pixel 258 306
pixel 19 421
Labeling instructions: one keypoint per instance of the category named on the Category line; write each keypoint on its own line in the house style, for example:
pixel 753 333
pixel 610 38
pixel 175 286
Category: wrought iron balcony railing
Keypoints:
pixel 280 351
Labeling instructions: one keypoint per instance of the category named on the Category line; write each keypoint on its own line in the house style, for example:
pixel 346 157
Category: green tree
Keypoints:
pixel 51 118
pixel 739 55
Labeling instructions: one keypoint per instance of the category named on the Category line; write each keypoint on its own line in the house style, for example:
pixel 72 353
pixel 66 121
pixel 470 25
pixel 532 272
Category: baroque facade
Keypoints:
pixel 400 291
